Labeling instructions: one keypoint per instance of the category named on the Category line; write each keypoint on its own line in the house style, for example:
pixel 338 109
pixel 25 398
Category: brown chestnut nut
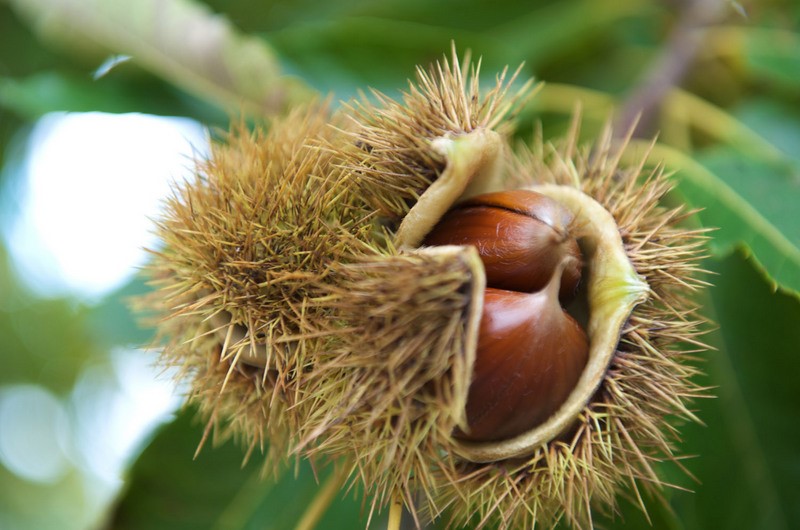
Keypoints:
pixel 521 236
pixel 530 356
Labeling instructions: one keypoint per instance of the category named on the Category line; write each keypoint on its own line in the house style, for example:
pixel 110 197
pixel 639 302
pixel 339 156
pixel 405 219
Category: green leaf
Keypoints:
pixel 773 55
pixel 772 189
pixel 182 41
pixel 115 323
pixel 350 53
pixel 750 202
pixel 768 224
pixel 168 489
pixel 44 341
pixel 547 32
pixel 659 516
pixel 54 91
pixel 748 462
pixel 22 53
pixel 379 44
pixel 775 121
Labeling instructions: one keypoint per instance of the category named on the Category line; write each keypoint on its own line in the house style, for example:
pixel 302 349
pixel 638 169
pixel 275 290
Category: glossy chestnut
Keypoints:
pixel 521 236
pixel 530 356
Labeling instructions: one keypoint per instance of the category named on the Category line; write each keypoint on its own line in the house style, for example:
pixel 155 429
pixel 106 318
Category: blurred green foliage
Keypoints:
pixel 735 148
pixel 216 491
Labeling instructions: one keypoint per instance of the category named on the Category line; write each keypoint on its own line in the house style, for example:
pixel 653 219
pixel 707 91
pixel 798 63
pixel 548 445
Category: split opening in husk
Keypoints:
pixel 611 285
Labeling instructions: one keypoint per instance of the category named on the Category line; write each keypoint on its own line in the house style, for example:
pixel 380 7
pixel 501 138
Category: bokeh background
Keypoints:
pixel 105 103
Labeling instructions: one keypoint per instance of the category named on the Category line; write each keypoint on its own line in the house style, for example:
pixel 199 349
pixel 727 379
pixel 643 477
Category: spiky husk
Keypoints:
pixel 395 162
pixel 245 247
pixel 297 322
pixel 630 424
pixel 394 387
pixel 300 324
